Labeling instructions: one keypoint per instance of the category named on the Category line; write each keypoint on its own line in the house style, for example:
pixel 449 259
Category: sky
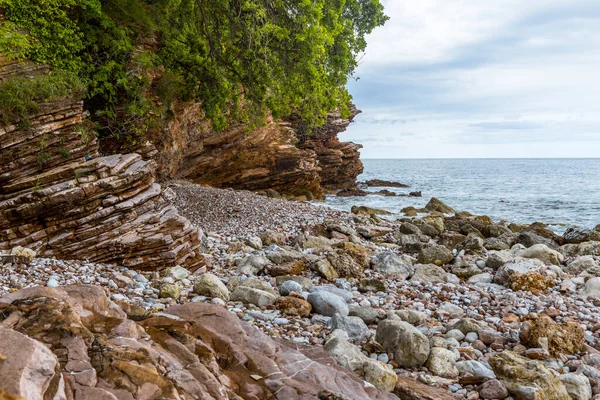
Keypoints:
pixel 480 79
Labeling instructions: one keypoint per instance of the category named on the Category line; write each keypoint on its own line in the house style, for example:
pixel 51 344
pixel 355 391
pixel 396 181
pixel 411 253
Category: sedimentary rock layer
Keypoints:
pixel 274 156
pixel 59 197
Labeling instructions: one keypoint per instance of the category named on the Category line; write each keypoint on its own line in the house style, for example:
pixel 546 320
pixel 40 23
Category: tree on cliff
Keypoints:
pixel 240 58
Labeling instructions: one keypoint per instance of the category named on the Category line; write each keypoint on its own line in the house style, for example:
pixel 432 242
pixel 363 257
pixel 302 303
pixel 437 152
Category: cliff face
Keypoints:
pixel 59 197
pixel 273 156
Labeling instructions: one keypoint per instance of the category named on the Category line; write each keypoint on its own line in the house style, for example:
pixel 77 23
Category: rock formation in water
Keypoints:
pixel 59 197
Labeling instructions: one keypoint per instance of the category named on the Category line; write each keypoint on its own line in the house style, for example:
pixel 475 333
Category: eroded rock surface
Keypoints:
pixel 191 351
pixel 59 197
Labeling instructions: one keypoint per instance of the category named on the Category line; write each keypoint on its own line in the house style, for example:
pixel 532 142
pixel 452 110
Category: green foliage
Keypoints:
pixel 20 97
pixel 240 58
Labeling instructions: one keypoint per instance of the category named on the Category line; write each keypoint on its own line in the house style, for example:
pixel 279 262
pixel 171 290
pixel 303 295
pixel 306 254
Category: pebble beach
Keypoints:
pixel 451 300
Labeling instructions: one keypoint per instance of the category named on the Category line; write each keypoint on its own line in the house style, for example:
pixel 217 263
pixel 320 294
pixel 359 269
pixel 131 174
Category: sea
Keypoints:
pixel 559 192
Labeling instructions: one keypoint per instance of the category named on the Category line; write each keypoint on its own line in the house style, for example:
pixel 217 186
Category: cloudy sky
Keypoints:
pixel 478 78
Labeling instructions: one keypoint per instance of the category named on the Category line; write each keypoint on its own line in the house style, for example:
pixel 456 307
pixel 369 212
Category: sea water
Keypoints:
pixel 559 192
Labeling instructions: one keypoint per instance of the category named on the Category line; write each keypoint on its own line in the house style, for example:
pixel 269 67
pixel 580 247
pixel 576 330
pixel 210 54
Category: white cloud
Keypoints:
pixel 458 74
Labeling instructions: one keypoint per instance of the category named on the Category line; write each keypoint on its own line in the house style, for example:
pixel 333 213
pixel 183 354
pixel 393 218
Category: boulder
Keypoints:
pixel 209 285
pixel 170 290
pixel 353 326
pixel 578 386
pixel 25 254
pixel 410 389
pixel 592 288
pixel 475 368
pixel 429 273
pixel 435 254
pixel 327 304
pixel 409 346
pixel 251 265
pixel 465 269
pixel 527 379
pixel 254 296
pixel 542 331
pixel 579 264
pixel 29 369
pixel 389 263
pixel 437 205
pixel 368 314
pixel 288 287
pixel 492 390
pixel 442 362
pixel 326 270
pixel 542 253
pixel 525 274
pixel 350 356
pixel 529 239
pixel 575 234
pixel 364 210
pixel 291 305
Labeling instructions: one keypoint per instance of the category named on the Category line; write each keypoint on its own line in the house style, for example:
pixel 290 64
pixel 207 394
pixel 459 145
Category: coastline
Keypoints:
pixel 460 288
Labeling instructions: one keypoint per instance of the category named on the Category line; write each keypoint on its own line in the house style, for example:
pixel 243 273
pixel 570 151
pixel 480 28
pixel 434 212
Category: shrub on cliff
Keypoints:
pixel 240 58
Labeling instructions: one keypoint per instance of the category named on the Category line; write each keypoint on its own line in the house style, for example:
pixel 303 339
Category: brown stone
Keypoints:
pixel 542 331
pixel 291 268
pixel 410 389
pixel 292 305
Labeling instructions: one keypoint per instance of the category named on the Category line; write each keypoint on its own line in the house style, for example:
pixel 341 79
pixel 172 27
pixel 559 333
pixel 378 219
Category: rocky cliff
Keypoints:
pixel 59 197
pixel 273 156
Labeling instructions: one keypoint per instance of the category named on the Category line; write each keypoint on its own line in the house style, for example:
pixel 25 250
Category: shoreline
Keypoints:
pixel 460 285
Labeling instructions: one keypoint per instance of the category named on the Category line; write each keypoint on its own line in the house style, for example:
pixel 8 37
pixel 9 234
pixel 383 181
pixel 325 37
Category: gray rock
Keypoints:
pixel 592 288
pixel 288 287
pixel 452 309
pixel 251 265
pixel 471 337
pixel 209 285
pixel 481 278
pixel 467 325
pixel 429 273
pixel 435 254
pixel 255 242
pixel 254 296
pixel 389 263
pixel 442 362
pixel 328 304
pixel 465 269
pixel 284 256
pixel 498 259
pixel 409 346
pixel 542 253
pixel 353 326
pixel 455 334
pixel 344 294
pixel 413 317
pixel 578 386
pixel 580 264
pixel 475 368
pixel 368 314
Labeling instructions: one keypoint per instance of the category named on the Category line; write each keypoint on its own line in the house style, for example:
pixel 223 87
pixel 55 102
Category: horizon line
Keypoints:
pixel 480 158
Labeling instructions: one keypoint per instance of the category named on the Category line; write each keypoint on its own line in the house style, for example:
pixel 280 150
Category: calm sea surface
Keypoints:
pixel 555 191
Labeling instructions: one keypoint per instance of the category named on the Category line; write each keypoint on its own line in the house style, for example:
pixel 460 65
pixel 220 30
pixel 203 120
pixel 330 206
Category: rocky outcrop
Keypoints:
pixel 274 156
pixel 195 351
pixel 59 197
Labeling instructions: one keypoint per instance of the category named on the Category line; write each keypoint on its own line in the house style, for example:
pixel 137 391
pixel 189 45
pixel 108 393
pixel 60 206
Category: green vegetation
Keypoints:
pixel 240 58
pixel 20 97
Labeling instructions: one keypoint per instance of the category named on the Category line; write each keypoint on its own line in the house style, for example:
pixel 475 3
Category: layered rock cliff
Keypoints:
pixel 275 156
pixel 59 197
